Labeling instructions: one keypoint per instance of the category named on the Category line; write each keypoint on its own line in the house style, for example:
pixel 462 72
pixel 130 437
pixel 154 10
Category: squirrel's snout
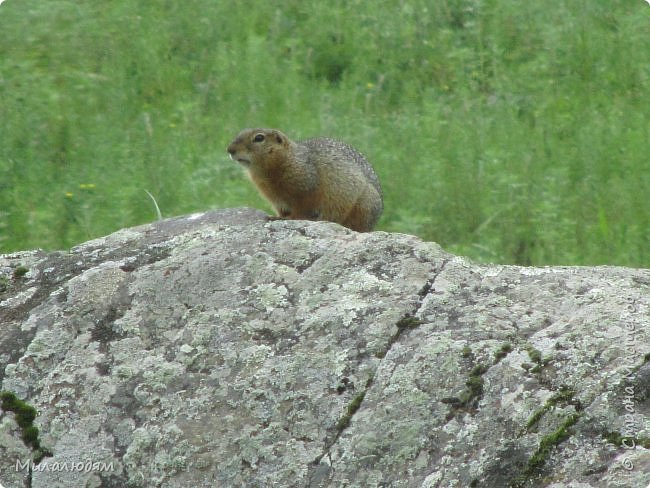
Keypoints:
pixel 239 157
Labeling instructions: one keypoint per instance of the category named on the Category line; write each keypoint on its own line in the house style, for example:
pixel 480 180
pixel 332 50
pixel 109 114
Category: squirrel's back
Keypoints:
pixel 316 179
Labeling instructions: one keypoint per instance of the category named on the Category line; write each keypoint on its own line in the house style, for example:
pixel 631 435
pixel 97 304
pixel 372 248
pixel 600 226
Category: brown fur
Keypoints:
pixel 316 179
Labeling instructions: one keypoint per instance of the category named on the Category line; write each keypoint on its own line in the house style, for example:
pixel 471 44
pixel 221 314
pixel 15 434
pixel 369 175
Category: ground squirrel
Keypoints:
pixel 314 179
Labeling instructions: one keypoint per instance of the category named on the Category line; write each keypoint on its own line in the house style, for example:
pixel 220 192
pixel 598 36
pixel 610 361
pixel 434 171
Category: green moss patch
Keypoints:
pixel 565 396
pixel 502 352
pixel 24 415
pixel 20 271
pixel 408 322
pixel 620 440
pixel 354 405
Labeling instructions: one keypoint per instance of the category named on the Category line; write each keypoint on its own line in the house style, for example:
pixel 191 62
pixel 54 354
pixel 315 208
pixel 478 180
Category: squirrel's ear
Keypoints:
pixel 278 137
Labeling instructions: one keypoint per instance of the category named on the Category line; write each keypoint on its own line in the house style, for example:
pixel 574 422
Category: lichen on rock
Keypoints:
pixel 220 349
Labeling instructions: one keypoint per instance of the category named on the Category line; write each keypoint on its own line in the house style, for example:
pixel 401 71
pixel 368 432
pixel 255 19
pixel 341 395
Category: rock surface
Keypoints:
pixel 222 350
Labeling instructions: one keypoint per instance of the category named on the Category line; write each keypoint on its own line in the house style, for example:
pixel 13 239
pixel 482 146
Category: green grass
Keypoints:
pixel 513 132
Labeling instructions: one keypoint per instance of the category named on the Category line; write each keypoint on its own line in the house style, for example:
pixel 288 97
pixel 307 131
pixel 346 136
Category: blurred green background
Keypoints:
pixel 507 131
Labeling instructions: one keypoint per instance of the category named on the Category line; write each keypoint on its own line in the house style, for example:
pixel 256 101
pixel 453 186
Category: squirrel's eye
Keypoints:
pixel 258 138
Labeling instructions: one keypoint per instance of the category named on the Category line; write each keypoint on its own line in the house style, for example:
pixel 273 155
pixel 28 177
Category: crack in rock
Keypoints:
pixel 407 322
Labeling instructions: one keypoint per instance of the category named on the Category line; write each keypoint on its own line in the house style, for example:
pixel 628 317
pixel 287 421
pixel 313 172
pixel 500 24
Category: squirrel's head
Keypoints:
pixel 256 145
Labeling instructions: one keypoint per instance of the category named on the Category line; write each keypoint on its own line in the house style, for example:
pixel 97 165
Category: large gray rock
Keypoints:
pixel 224 350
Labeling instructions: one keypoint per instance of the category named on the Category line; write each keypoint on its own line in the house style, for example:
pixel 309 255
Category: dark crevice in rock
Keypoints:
pixel 47 282
pixel 408 321
pixel 565 396
pixel 626 441
pixel 502 352
pixel 149 256
pixel 546 445
pixel 527 470
pixel 104 331
pixel 342 424
pixel 52 272
pixel 68 266
pixel 468 399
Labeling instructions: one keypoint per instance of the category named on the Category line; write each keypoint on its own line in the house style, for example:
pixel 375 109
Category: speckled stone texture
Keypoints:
pixel 219 350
